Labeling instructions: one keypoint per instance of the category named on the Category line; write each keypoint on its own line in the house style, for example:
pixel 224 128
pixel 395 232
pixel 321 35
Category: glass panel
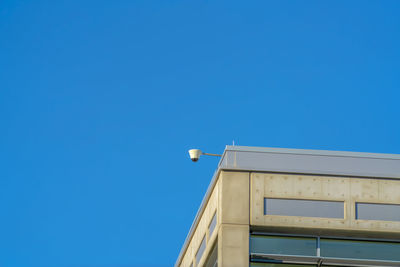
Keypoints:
pixel 283 245
pixel 383 212
pixel 212 224
pixel 360 249
pixel 256 264
pixel 200 251
pixel 212 259
pixel 305 208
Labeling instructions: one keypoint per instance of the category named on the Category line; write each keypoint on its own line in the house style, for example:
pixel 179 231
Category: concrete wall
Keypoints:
pixel 311 187
pixel 233 234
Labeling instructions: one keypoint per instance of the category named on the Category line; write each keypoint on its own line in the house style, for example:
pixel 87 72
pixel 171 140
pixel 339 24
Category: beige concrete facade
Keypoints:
pixel 233 245
pixel 312 187
pixel 233 242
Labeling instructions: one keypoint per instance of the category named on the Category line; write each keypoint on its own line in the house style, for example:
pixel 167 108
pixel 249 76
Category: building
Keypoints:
pixel 289 207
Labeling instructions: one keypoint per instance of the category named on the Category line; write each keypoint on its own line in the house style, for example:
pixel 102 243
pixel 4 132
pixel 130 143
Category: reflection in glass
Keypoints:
pixel 382 212
pixel 360 249
pixel 256 264
pixel 283 245
pixel 304 208
pixel 212 224
pixel 201 249
pixel 212 260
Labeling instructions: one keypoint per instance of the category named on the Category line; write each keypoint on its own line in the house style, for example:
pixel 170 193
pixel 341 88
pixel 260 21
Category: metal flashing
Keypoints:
pixel 311 152
pixel 318 162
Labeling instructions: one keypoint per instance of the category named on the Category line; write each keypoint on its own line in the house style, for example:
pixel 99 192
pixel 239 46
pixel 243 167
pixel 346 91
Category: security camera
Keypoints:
pixel 195 154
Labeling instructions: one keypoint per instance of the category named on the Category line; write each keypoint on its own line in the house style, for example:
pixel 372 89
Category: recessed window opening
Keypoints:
pixel 212 225
pixel 200 251
pixel 212 260
pixel 375 211
pixel 304 208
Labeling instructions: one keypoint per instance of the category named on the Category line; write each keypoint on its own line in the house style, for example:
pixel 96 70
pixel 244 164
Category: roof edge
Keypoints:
pixel 314 152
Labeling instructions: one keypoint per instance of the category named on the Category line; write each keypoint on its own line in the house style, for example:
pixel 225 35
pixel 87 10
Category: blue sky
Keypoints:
pixel 100 101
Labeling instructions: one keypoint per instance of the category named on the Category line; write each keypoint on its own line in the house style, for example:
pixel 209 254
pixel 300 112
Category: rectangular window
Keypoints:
pixel 200 251
pixel 255 264
pixel 212 225
pixel 304 246
pixel 355 249
pixel 304 208
pixel 212 260
pixel 382 212
pixel 274 250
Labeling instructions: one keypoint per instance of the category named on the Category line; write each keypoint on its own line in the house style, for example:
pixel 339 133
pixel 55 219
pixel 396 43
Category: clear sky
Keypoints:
pixel 100 101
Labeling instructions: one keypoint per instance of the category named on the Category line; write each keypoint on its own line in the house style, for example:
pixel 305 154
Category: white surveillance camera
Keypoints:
pixel 195 154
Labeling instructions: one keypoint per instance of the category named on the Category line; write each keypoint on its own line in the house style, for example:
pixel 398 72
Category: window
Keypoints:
pixel 283 245
pixel 254 264
pixel 305 208
pixel 280 251
pixel 212 225
pixel 212 260
pixel 201 249
pixel 336 248
pixel 383 212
